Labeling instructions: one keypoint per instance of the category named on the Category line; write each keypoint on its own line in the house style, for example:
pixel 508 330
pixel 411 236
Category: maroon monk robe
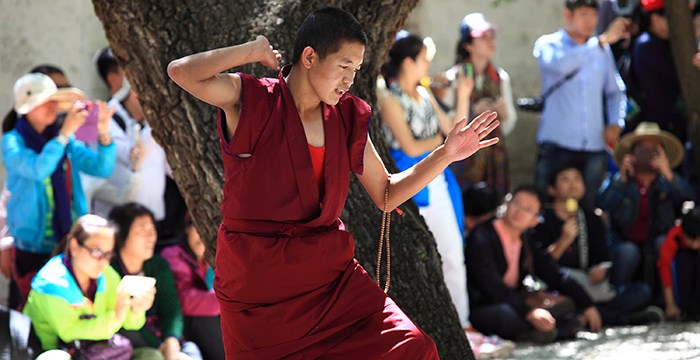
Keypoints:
pixel 286 278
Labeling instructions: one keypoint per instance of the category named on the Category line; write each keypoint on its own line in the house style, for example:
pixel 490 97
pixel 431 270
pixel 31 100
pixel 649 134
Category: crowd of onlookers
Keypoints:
pixel 607 235
pixel 89 199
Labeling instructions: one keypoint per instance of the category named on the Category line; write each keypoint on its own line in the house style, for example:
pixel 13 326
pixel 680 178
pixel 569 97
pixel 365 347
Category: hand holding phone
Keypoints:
pixel 606 264
pixel 88 132
pixel 468 70
pixel 136 285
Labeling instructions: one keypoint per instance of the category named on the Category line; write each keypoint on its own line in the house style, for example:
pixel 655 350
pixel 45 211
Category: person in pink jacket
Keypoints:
pixel 194 281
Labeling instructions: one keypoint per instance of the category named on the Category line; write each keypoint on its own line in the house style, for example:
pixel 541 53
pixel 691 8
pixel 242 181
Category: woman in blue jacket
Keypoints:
pixel 43 160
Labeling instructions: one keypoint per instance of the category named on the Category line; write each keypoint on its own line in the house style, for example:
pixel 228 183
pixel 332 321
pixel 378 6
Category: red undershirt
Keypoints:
pixel 639 231
pixel 318 154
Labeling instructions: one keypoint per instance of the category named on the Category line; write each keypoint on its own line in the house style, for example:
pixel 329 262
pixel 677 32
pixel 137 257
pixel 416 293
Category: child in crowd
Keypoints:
pixel 679 268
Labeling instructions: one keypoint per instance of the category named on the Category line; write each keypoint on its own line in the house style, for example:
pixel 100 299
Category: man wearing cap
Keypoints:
pixel 142 171
pixel 43 160
pixel 654 72
pixel 587 108
pixel 643 199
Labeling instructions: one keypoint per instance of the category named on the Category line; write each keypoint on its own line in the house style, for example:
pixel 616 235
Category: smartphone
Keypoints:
pixel 88 132
pixel 606 264
pixel 136 285
pixel 468 69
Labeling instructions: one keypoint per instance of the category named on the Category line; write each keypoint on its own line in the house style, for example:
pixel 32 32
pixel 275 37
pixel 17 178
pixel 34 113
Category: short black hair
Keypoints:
pixel 529 189
pixel 106 63
pixel 47 69
pixel 325 30
pixel 123 217
pixel 691 222
pixel 573 4
pixel 552 179
pixel 479 199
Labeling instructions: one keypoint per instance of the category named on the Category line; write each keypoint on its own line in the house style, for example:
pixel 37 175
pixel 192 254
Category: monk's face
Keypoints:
pixel 332 76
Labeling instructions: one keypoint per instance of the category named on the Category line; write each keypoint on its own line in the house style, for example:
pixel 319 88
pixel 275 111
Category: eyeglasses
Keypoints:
pixel 98 254
pixel 523 209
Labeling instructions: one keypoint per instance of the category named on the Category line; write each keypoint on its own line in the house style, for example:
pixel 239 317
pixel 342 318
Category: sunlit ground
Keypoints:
pixel 665 341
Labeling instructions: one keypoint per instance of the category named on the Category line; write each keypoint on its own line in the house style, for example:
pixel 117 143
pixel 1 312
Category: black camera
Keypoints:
pixel 643 156
pixel 531 104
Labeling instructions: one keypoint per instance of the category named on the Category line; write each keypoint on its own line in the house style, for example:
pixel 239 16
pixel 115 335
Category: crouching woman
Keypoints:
pixel 74 303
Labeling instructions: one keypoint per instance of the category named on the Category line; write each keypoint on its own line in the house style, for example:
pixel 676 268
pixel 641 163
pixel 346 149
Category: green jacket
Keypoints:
pixel 59 310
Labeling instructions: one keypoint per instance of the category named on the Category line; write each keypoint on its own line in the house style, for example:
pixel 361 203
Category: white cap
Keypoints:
pixel 475 24
pixel 32 90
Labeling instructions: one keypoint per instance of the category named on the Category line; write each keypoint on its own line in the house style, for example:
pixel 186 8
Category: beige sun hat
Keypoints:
pixel 649 130
pixel 32 90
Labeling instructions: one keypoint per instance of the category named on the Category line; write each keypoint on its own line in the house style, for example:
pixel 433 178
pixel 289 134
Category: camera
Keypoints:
pixel 531 104
pixel 643 156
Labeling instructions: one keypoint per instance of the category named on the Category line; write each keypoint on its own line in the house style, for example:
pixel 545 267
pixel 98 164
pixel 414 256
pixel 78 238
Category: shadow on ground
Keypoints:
pixel 663 341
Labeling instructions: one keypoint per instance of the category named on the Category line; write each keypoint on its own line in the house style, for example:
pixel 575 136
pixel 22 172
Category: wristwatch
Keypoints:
pixel 62 139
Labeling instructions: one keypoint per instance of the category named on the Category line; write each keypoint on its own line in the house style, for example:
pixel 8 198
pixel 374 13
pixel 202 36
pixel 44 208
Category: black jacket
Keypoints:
pixel 549 231
pixel 486 264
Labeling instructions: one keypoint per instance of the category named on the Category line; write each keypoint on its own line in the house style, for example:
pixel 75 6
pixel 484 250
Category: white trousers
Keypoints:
pixel 442 222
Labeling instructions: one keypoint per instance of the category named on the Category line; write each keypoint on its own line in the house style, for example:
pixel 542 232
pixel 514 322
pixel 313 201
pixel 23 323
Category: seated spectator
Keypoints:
pixel 75 302
pixel 194 280
pixel 679 268
pixel 134 255
pixel 575 237
pixel 480 204
pixel 498 260
pixel 43 161
pixel 643 199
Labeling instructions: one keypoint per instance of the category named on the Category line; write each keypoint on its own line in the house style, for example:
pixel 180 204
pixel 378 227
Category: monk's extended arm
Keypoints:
pixel 463 141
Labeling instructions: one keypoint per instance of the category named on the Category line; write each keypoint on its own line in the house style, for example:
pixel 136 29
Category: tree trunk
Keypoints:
pixel 684 46
pixel 146 35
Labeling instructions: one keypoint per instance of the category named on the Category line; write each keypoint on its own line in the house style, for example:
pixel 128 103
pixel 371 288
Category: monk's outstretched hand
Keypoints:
pixel 466 139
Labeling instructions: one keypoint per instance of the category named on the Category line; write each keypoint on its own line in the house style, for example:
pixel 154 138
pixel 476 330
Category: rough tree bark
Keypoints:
pixel 684 46
pixel 146 35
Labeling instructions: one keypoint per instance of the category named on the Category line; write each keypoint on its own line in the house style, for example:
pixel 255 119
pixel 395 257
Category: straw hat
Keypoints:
pixel 32 90
pixel 649 130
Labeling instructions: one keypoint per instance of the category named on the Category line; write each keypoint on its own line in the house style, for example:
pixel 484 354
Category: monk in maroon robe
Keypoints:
pixel 286 279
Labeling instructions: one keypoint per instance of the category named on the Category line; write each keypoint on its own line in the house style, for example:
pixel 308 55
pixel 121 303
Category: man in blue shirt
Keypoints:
pixel 586 112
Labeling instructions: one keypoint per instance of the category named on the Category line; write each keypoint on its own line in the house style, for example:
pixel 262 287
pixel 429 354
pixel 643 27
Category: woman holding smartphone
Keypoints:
pixel 134 255
pixel 492 91
pixel 75 303
pixel 43 161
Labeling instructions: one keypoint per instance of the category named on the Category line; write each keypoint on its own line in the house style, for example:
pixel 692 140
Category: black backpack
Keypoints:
pixel 17 338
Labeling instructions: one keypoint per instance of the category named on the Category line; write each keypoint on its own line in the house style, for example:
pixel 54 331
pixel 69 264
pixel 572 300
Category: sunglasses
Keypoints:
pixel 98 254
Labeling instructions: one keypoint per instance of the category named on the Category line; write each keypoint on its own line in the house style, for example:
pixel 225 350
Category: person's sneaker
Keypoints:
pixel 488 347
pixel 650 314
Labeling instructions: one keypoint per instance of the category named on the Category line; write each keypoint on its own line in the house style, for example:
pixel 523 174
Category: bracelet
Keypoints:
pixel 104 139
